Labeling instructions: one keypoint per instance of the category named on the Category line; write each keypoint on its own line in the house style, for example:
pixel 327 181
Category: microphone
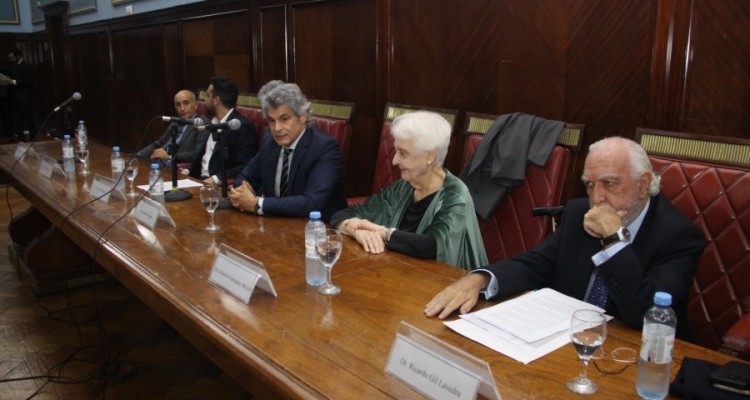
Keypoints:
pixel 75 96
pixel 233 124
pixel 180 121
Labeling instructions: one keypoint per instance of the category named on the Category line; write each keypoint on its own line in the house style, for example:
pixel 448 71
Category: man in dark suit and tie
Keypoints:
pixel 614 249
pixel 20 88
pixel 298 167
pixel 241 144
pixel 189 140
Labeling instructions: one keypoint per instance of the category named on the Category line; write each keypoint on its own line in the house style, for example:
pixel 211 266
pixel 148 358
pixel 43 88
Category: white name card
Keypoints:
pixel 238 274
pixel 49 166
pixel 149 211
pixel 101 188
pixel 24 149
pixel 436 369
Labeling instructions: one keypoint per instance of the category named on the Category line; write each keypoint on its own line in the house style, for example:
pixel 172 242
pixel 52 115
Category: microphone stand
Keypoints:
pixel 224 201
pixel 176 194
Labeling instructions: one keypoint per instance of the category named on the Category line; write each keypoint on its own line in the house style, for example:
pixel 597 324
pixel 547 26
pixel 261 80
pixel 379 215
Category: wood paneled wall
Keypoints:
pixel 612 65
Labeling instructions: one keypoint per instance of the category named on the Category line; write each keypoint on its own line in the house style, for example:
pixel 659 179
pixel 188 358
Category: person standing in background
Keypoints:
pixel 20 89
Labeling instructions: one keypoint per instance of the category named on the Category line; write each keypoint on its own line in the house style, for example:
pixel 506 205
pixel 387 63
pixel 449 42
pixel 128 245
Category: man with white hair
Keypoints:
pixel 614 249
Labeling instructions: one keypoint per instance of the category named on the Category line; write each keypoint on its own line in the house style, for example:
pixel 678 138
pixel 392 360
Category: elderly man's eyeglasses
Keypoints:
pixel 614 362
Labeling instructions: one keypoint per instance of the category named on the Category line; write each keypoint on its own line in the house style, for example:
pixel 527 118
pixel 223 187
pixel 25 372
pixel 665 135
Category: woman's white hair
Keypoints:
pixel 426 131
pixel 639 162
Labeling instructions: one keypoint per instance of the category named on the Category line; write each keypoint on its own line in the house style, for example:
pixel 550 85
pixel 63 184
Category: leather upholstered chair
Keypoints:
pixel 248 105
pixel 708 179
pixel 334 118
pixel 385 172
pixel 513 228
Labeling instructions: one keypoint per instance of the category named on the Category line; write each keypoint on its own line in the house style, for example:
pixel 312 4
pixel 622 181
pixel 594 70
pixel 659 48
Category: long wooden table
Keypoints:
pixel 300 344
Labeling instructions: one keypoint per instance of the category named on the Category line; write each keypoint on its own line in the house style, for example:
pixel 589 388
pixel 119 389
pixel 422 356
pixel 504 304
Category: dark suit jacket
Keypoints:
pixel 242 145
pixel 499 162
pixel 315 178
pixel 23 73
pixel 662 257
pixel 189 146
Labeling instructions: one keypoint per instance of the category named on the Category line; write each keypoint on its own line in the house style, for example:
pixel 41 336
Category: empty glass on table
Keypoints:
pixel 82 153
pixel 210 200
pixel 131 171
pixel 329 244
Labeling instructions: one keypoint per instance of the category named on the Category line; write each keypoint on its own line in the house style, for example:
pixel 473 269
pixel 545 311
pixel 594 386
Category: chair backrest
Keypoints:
pixel 513 228
pixel 708 179
pixel 334 118
pixel 248 105
pixel 385 172
pixel 201 96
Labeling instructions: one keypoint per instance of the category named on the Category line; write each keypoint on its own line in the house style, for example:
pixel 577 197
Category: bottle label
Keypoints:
pixel 68 152
pixel 657 349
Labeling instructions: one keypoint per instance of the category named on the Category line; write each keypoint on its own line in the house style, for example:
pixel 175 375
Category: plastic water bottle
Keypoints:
pixel 118 165
pixel 156 184
pixel 69 161
pixel 82 136
pixel 655 362
pixel 315 271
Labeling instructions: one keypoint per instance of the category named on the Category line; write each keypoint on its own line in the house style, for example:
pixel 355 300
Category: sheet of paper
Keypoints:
pixel 181 183
pixel 524 328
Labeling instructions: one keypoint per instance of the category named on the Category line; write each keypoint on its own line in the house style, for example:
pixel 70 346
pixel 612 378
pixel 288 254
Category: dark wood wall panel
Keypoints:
pixel 173 66
pixel 334 49
pixel 272 43
pixel 91 60
pixel 611 65
pixel 719 83
pixel 218 46
pixel 140 92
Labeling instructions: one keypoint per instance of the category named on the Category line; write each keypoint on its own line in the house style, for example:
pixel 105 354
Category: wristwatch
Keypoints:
pixel 257 206
pixel 388 233
pixel 622 235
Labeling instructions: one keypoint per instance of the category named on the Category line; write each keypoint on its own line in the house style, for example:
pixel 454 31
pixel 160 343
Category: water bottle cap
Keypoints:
pixel 116 148
pixel 80 122
pixel 314 214
pixel 663 299
pixel 155 166
pixel 66 137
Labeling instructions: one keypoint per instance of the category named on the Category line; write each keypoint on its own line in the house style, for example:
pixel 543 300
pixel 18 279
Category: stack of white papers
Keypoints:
pixel 181 184
pixel 526 327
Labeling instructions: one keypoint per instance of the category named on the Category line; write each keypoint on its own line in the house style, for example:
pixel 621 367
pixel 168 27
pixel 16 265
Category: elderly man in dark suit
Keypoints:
pixel 241 144
pixel 20 88
pixel 189 139
pixel 614 249
pixel 298 167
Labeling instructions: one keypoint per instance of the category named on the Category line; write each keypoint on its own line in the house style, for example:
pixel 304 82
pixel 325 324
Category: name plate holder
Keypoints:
pixel 24 149
pixel 238 274
pixel 436 369
pixel 149 211
pixel 49 166
pixel 102 187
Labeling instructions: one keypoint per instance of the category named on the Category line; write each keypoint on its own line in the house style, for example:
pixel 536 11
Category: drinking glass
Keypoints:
pixel 131 171
pixel 210 199
pixel 588 329
pixel 329 244
pixel 82 152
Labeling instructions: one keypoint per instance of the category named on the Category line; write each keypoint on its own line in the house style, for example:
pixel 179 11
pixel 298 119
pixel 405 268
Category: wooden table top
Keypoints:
pixel 300 344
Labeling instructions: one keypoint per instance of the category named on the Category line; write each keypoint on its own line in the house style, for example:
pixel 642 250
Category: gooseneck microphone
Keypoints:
pixel 75 97
pixel 180 121
pixel 233 124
